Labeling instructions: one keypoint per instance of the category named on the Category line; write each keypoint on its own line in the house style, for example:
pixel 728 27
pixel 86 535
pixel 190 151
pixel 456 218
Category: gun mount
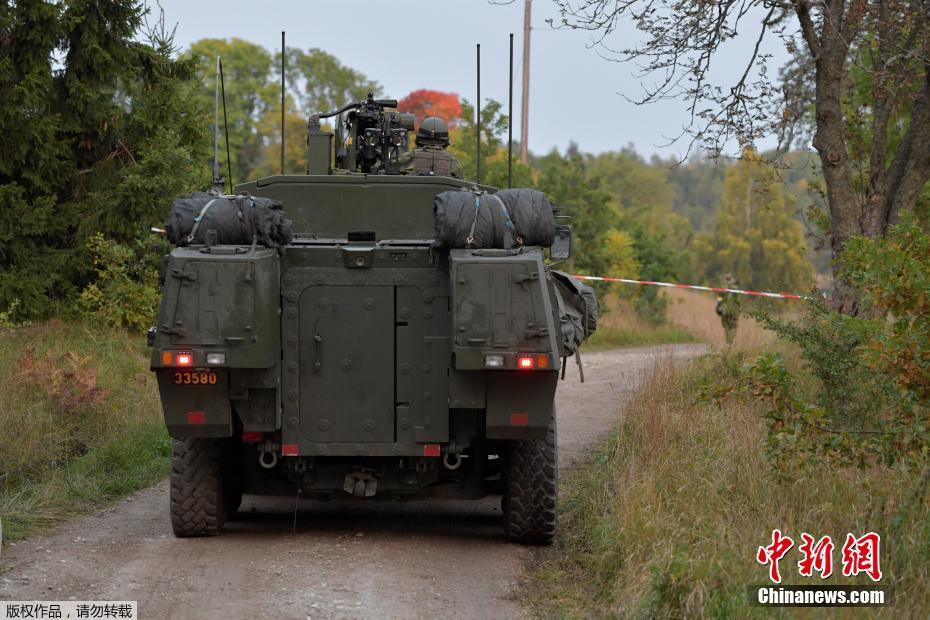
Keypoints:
pixel 370 137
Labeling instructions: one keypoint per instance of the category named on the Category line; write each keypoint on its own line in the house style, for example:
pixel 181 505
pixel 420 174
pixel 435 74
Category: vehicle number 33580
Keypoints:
pixel 188 377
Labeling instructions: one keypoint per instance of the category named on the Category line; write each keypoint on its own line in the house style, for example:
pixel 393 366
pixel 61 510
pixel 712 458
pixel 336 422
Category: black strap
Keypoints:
pixel 190 237
pixel 470 239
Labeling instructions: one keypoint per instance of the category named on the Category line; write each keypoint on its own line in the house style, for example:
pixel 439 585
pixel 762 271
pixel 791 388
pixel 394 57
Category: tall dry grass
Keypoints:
pixel 619 326
pixel 665 520
pixel 691 318
pixel 694 312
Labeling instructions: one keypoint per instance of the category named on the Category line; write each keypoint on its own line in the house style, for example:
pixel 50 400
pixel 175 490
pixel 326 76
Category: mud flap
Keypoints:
pixel 519 404
pixel 196 410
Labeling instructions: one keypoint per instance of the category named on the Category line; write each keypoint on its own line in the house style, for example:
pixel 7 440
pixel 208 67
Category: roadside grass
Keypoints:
pixel 619 326
pixel 693 311
pixel 691 318
pixel 665 519
pixel 609 337
pixel 83 423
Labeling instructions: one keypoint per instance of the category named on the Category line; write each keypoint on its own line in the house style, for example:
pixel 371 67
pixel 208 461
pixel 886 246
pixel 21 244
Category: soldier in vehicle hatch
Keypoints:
pixel 430 157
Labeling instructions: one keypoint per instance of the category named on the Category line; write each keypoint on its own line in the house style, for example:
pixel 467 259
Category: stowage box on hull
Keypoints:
pixel 220 301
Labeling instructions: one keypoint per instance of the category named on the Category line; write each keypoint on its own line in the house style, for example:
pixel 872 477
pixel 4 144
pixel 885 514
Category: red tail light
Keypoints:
pixel 526 362
pixel 185 359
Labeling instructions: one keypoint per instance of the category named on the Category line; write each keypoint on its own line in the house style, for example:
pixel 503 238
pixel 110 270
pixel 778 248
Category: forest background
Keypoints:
pixel 116 122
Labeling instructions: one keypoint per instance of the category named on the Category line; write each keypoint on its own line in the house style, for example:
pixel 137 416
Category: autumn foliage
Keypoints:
pixel 424 103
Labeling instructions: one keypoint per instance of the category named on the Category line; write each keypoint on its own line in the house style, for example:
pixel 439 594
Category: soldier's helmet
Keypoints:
pixel 433 131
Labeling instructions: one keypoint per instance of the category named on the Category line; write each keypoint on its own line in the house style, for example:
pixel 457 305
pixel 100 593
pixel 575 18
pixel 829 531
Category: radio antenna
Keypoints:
pixel 226 127
pixel 283 56
pixel 478 115
pixel 217 181
pixel 510 120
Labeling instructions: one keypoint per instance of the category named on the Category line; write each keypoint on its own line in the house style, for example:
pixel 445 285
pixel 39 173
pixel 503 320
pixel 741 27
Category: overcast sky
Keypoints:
pixel 411 44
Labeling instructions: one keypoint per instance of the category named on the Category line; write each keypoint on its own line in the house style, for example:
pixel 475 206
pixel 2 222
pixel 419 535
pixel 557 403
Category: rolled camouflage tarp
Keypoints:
pixel 577 310
pixel 508 218
pixel 236 220
pixel 532 215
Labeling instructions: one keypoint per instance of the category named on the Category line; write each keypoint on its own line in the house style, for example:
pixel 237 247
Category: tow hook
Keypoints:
pixel 268 457
pixel 452 461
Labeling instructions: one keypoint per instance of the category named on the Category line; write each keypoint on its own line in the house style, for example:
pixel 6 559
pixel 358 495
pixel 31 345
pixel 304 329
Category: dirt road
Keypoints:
pixel 339 559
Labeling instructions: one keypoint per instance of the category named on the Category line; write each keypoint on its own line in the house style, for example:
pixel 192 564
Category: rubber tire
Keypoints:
pixel 196 494
pixel 531 491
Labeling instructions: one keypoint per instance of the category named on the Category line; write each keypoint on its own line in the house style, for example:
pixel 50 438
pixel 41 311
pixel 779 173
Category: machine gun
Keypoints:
pixel 369 137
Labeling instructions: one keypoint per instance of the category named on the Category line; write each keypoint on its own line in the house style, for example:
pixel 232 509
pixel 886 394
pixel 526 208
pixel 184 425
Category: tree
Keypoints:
pixel 660 261
pixel 327 84
pixel 251 93
pixel 756 240
pixel 98 143
pixel 463 144
pixel 32 160
pixel 592 214
pixel 424 103
pixel 888 40
pixel 643 195
pixel 316 82
pixel 697 184
pixel 295 147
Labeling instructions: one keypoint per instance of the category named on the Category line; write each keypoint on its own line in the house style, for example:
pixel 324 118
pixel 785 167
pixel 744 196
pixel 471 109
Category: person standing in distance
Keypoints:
pixel 728 310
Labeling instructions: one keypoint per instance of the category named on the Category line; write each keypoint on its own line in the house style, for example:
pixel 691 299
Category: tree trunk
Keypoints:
pixel 830 142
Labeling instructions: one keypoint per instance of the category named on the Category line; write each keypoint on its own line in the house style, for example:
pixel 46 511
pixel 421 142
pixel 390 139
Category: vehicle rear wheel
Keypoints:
pixel 531 489
pixel 196 495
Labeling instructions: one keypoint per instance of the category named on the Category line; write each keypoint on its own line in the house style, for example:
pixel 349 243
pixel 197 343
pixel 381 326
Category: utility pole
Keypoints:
pixel 525 109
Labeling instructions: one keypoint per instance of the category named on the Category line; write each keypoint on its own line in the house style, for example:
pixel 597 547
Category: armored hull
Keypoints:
pixel 360 358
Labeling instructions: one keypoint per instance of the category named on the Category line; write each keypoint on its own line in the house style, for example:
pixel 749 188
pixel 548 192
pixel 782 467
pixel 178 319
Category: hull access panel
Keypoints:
pixel 347 364
pixel 366 354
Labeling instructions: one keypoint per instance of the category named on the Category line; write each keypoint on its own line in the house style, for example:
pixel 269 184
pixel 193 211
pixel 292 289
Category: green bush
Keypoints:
pixel 894 275
pixel 125 293
pixel 869 397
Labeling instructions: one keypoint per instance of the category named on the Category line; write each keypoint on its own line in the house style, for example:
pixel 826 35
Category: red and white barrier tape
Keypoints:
pixel 695 287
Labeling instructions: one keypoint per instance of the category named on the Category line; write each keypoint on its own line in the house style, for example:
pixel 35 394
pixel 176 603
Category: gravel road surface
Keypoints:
pixel 344 559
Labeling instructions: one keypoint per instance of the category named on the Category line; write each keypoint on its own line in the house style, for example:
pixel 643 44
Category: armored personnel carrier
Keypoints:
pixel 360 332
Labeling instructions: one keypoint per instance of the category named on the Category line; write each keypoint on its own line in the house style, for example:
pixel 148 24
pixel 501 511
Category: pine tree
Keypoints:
pixel 96 144
pixel 33 161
